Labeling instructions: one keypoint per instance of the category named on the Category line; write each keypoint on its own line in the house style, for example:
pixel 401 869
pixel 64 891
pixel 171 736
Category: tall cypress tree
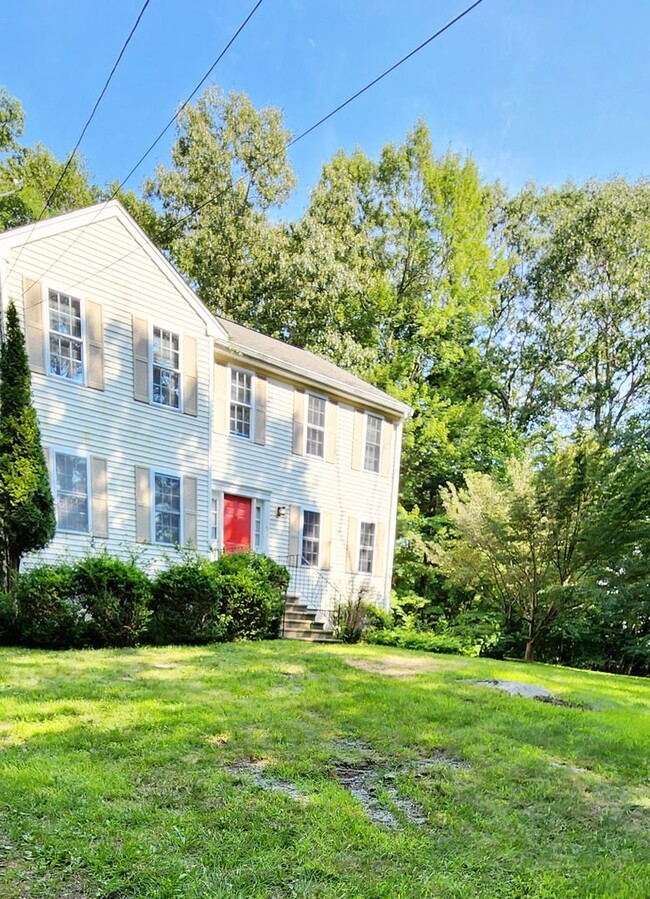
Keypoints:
pixel 27 520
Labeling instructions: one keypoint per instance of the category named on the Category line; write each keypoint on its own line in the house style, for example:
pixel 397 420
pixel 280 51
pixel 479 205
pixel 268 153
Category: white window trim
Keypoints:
pixel 45 302
pixel 220 491
pixel 152 492
pixel 181 362
pixel 374 548
pixel 320 536
pixel 366 417
pixel 245 371
pixel 81 454
pixel 319 396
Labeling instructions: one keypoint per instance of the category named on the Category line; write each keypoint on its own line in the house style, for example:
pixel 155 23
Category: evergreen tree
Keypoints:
pixel 27 519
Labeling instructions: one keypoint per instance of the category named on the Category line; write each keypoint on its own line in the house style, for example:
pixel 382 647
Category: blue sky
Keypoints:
pixel 546 90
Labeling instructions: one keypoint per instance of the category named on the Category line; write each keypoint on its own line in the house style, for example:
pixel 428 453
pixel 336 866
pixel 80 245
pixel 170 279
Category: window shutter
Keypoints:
pixel 326 540
pixel 190 376
pixel 34 330
pixel 351 560
pixel 142 505
pixel 141 359
pixel 189 511
pixel 387 443
pixel 379 567
pixel 221 402
pixel 260 410
pixel 294 535
pixel 298 421
pixel 95 332
pixel 357 440
pixel 99 496
pixel 330 440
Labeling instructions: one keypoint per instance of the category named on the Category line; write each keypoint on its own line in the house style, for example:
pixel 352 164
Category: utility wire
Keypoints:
pixel 162 133
pixel 94 110
pixel 215 197
pixel 81 136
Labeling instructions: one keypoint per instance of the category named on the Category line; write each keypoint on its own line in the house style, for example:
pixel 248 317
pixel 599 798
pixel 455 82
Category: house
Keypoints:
pixel 165 426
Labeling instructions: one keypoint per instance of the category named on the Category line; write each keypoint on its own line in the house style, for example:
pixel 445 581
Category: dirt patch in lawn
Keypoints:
pixel 394 666
pixel 254 769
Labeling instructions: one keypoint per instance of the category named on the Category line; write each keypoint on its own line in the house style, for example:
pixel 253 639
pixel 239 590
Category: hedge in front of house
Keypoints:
pixel 101 601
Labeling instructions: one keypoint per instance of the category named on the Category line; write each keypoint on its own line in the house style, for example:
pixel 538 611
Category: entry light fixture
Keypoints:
pixel 282 511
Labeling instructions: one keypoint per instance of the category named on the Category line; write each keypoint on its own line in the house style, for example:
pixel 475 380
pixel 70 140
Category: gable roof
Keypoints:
pixel 101 212
pixel 308 367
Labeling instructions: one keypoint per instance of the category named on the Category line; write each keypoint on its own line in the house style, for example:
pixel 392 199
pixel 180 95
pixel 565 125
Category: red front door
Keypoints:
pixel 236 524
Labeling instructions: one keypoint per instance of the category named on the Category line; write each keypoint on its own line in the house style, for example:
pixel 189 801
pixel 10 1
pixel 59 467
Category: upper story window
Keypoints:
pixel 71 488
pixel 241 403
pixel 166 368
pixel 315 442
pixel 372 452
pixel 310 538
pixel 66 336
pixel 167 509
pixel 366 547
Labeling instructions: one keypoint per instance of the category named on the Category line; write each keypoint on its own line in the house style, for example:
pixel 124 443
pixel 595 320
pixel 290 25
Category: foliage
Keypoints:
pixel 353 617
pixel 186 605
pixel 410 638
pixel 27 519
pixel 47 613
pixel 114 597
pixel 252 595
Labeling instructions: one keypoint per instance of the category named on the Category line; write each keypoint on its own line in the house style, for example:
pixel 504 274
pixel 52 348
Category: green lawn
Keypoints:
pixel 242 771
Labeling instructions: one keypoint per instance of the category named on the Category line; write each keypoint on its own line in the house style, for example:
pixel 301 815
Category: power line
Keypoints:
pixel 81 136
pixel 94 110
pixel 164 130
pixel 215 197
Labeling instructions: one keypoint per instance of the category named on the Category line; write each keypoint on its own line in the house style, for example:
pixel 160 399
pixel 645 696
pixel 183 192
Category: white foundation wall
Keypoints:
pixel 103 263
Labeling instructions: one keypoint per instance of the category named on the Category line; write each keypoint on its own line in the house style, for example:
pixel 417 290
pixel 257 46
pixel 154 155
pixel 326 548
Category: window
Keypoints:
pixel 167 509
pixel 66 337
pixel 166 368
pixel 366 547
pixel 315 445
pixel 214 520
pixel 240 403
pixel 257 527
pixel 373 443
pixel 310 538
pixel 71 487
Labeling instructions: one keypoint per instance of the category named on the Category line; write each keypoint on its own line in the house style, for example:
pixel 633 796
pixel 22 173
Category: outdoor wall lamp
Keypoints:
pixel 282 511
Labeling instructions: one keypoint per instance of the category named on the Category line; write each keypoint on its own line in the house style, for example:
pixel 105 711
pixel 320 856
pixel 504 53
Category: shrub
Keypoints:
pixel 408 638
pixel 352 618
pixel 8 628
pixel 47 615
pixel 186 605
pixel 114 596
pixel 252 595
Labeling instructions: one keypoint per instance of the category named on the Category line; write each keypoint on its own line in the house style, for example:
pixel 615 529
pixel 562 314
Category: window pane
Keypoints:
pixel 66 345
pixel 166 368
pixel 366 547
pixel 167 509
pixel 71 477
pixel 373 443
pixel 240 403
pixel 315 442
pixel 310 538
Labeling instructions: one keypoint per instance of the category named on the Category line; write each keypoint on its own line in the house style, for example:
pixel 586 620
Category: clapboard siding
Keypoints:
pixel 109 423
pixel 293 479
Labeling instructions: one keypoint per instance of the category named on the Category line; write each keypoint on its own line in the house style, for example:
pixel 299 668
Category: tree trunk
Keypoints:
pixel 530 649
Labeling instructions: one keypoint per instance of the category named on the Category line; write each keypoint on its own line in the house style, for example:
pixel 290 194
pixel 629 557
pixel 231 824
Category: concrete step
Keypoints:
pixel 297 618
pixel 308 636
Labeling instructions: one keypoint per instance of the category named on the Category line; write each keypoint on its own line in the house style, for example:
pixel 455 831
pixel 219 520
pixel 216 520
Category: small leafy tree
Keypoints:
pixel 27 519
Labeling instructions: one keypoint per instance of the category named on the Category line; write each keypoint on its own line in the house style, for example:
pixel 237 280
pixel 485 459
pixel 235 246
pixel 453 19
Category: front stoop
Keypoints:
pixel 299 623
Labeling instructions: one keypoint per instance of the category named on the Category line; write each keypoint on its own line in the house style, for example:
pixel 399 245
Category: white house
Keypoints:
pixel 165 426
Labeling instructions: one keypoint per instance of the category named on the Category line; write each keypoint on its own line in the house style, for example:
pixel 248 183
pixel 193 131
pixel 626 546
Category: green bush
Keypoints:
pixel 48 616
pixel 408 638
pixel 114 596
pixel 354 617
pixel 8 627
pixel 186 605
pixel 252 595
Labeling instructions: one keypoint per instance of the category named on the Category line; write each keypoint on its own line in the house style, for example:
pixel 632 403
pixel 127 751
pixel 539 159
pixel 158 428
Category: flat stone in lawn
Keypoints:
pixel 516 688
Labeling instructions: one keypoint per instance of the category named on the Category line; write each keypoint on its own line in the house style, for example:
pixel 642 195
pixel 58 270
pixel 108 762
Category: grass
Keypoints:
pixel 229 771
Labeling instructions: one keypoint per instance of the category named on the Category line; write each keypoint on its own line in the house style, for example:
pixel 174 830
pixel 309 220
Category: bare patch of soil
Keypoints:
pixel 394 666
pixel 439 759
pixel 254 768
